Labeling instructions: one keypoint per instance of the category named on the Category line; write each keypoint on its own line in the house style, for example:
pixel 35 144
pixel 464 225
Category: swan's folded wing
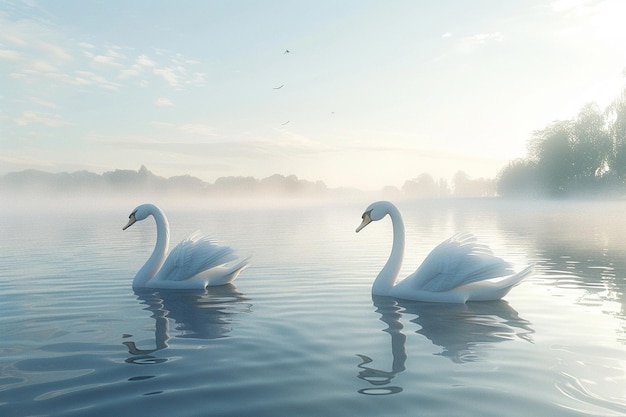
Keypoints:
pixel 458 261
pixel 194 255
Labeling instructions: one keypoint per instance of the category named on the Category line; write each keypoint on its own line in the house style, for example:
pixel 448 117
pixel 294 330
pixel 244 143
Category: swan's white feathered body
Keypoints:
pixel 195 263
pixel 458 270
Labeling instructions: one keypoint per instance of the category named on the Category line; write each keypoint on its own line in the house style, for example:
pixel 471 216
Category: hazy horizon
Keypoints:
pixel 356 94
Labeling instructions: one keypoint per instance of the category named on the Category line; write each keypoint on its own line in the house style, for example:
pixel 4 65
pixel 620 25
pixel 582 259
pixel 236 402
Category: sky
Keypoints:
pixel 369 94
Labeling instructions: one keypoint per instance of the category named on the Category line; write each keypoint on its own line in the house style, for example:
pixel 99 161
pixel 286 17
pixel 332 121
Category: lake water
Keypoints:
pixel 298 334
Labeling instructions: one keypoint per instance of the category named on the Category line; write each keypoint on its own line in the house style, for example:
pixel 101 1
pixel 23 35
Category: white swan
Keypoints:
pixel 456 271
pixel 195 263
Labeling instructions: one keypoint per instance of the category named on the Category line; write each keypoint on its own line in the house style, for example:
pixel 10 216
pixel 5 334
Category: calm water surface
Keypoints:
pixel 299 333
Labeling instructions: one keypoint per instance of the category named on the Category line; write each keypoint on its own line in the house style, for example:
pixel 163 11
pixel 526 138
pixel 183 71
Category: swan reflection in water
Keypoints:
pixel 199 314
pixel 463 331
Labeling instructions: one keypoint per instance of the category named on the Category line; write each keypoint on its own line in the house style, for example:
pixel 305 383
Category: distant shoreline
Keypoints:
pixel 143 181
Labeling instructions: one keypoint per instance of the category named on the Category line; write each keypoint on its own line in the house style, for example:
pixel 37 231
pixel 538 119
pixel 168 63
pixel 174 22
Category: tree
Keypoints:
pixel 587 153
pixel 616 116
pixel 591 145
pixel 518 178
pixel 235 185
pixel 552 153
pixel 423 186
pixel 464 186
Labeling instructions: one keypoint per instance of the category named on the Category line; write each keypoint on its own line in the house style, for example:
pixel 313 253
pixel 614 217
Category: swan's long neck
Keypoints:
pixel 155 261
pixel 387 276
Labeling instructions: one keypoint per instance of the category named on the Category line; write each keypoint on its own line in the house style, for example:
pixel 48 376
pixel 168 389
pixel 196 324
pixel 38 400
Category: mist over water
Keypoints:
pixel 298 332
pixel 33 190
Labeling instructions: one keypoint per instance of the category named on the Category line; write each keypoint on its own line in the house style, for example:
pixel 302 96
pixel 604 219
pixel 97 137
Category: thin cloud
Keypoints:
pixel 43 103
pixel 13 33
pixel 190 129
pixel 141 63
pixel 92 78
pixel 21 161
pixel 38 52
pixel 163 102
pixel 192 141
pixel 168 74
pixel 471 43
pixel 482 38
pixel 212 150
pixel 42 66
pixel 31 117
pixel 107 60
pixel 55 51
pixel 430 153
pixel 162 125
pixel 198 129
pixel 9 55
pixel 130 72
pixel 297 143
pixel 144 61
pixel 198 79
pixel 112 58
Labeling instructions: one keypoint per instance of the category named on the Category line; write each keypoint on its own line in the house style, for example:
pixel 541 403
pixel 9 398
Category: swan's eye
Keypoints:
pixel 368 213
pixel 132 214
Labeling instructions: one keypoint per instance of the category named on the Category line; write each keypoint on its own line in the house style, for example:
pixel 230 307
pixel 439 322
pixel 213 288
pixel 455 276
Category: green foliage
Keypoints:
pixel 615 115
pixel 569 157
pixel 554 155
pixel 144 181
pixel 519 178
pixel 423 186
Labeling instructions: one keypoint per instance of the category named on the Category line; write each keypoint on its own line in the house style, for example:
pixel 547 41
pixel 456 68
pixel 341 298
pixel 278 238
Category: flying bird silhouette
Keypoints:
pixel 286 51
pixel 285 123
pixel 279 87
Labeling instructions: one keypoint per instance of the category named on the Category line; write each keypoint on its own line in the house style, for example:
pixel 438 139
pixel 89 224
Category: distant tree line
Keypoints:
pixel 144 181
pixel 585 155
pixel 425 186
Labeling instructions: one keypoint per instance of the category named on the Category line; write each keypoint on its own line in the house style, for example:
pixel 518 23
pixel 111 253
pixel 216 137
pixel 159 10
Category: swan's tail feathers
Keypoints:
pixel 489 290
pixel 241 265
pixel 504 274
pixel 229 273
pixel 519 276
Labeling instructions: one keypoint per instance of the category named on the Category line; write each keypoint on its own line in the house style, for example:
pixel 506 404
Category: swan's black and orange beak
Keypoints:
pixel 131 221
pixel 366 220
